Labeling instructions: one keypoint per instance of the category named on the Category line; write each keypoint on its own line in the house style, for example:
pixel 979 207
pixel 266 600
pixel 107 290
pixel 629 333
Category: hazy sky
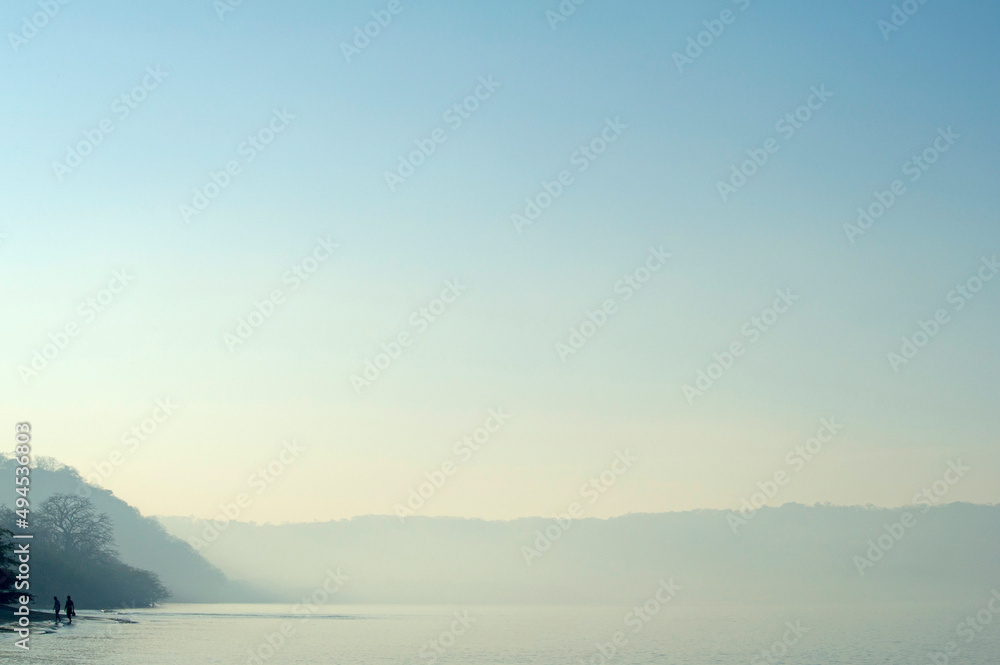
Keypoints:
pixel 175 93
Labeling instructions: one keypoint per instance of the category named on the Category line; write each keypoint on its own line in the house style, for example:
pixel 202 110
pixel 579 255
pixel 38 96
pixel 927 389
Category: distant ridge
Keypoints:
pixel 790 554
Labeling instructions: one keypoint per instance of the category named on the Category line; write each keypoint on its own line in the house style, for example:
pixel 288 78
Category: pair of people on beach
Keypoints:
pixel 70 608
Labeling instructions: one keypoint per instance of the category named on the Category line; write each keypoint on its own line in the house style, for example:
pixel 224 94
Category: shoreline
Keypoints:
pixel 37 616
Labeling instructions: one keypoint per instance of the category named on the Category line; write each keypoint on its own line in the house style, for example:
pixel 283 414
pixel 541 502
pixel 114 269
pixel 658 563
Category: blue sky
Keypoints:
pixel 323 176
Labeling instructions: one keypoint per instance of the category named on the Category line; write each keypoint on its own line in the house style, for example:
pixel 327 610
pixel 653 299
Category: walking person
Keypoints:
pixel 70 608
pixel 55 607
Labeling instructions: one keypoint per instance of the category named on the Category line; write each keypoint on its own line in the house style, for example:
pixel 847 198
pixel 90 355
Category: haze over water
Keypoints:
pixel 527 331
pixel 892 634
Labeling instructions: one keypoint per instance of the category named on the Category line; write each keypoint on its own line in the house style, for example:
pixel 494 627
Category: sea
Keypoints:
pixel 875 634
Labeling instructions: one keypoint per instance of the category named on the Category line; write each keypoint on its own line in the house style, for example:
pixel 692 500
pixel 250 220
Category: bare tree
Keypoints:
pixel 8 567
pixel 74 526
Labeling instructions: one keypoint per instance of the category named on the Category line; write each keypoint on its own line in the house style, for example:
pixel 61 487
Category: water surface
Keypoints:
pixel 721 635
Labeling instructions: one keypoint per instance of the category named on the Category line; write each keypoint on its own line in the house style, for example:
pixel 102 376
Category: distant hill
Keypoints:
pixel 142 541
pixel 789 554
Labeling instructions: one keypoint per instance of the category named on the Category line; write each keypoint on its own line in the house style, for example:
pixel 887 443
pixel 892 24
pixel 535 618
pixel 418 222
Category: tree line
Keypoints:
pixel 74 552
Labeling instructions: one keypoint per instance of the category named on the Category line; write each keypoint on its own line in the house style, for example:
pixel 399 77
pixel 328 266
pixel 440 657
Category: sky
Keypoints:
pixel 170 171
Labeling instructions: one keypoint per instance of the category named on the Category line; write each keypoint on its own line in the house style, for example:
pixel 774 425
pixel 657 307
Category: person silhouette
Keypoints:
pixel 55 607
pixel 70 608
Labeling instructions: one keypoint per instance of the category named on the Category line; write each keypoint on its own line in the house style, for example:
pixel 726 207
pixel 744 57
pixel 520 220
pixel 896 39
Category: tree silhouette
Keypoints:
pixel 72 525
pixel 8 567
pixel 74 549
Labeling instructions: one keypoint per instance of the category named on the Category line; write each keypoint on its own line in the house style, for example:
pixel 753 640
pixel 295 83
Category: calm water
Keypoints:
pixel 192 634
